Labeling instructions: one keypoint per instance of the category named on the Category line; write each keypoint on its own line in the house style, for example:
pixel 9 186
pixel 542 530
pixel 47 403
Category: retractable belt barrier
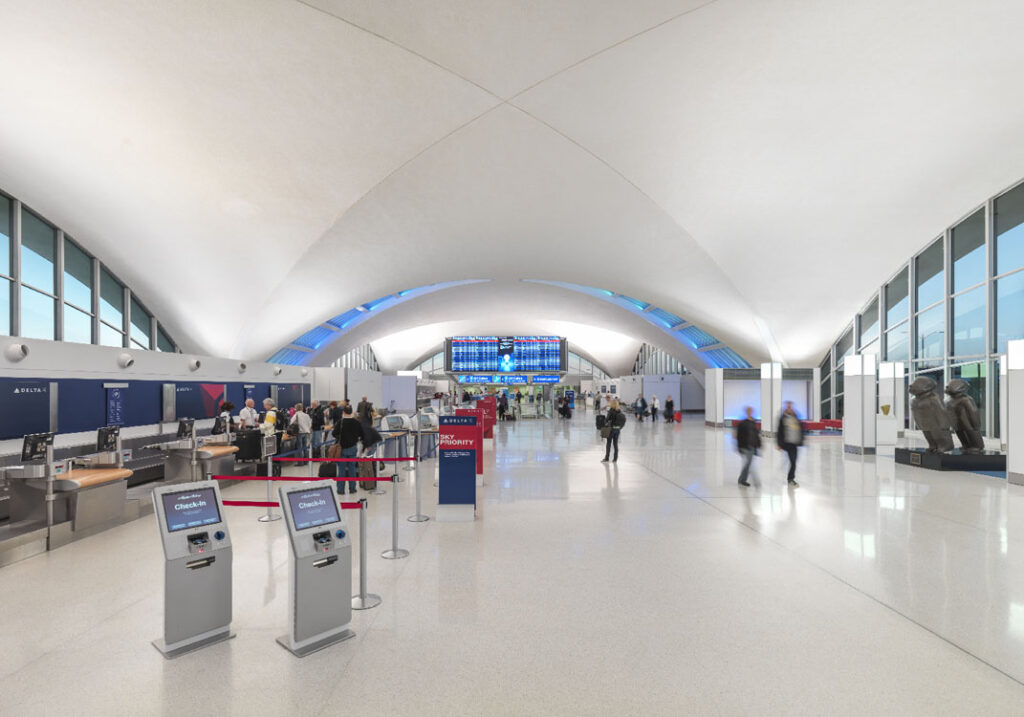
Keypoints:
pixel 362 601
pixel 393 553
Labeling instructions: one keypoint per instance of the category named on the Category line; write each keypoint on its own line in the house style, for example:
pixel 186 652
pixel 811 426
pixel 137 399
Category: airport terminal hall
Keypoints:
pixel 482 357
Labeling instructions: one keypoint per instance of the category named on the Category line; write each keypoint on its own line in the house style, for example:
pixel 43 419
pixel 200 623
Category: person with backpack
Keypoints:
pixel 640 407
pixel 748 443
pixel 789 436
pixel 614 422
pixel 348 434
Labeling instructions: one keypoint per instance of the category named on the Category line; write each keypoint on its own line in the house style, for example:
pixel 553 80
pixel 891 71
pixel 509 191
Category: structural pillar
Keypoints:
pixel 714 397
pixel 771 396
pixel 891 384
pixel 1013 429
pixel 859 404
pixel 1002 403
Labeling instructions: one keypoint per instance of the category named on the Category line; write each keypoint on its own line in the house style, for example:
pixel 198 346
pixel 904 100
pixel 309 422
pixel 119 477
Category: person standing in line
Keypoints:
pixel 597 402
pixel 348 433
pixel 614 422
pixel 748 442
pixel 364 411
pixel 790 435
pixel 248 417
pixel 655 406
pixel 303 427
pixel 670 409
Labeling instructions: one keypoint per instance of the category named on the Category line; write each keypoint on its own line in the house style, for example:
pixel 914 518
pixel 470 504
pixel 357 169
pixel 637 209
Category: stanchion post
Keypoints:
pixel 309 451
pixel 270 516
pixel 364 600
pixel 395 552
pixel 419 517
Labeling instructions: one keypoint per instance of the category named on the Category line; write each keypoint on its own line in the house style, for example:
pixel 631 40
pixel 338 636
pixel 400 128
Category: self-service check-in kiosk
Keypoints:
pixel 197 568
pixel 320 571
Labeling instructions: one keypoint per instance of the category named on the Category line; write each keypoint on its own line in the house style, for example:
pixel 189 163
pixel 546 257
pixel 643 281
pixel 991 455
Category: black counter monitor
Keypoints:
pixel 190 509
pixel 34 446
pixel 185 428
pixel 311 508
pixel 106 438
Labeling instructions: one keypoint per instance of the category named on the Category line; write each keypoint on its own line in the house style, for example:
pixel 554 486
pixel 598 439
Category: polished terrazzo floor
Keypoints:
pixel 652 586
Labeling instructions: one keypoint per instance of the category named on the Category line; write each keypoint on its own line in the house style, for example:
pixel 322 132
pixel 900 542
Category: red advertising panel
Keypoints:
pixel 479 447
pixel 489 406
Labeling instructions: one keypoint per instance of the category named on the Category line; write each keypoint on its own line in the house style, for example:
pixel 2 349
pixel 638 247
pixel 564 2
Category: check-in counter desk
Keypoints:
pixel 190 460
pixel 89 495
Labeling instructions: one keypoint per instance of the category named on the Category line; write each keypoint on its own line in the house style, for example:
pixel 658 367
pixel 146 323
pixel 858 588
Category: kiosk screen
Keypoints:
pixel 394 423
pixel 190 509
pixel 106 438
pixel 311 508
pixel 185 428
pixel 34 446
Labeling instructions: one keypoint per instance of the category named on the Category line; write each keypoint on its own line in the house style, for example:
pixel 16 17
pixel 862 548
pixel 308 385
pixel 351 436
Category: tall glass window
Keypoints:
pixel 141 328
pixel 897 299
pixel 930 275
pixel 77 277
pixel 163 343
pixel 77 325
pixel 844 347
pixel 109 336
pixel 1009 211
pixel 37 314
pixel 5 307
pixel 869 324
pixel 111 300
pixel 969 252
pixel 1009 309
pixel 931 333
pixel 969 323
pixel 897 343
pixel 38 251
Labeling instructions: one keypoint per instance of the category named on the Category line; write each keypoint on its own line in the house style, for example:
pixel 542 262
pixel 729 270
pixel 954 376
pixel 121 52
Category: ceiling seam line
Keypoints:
pixel 623 41
pixel 648 197
pixel 388 40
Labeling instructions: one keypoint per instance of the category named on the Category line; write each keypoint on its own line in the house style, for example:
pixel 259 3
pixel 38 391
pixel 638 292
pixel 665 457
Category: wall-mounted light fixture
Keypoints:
pixel 242 367
pixel 15 352
pixel 194 364
pixel 125 360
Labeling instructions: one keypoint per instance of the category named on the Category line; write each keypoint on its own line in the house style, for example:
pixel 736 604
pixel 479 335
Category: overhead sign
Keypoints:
pixel 469 378
pixel 547 379
pixel 115 406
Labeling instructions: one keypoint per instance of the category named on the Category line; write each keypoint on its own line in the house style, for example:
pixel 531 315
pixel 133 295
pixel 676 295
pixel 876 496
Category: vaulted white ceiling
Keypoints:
pixel 757 167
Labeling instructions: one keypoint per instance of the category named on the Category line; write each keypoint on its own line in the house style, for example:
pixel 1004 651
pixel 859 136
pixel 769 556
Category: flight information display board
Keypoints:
pixel 505 354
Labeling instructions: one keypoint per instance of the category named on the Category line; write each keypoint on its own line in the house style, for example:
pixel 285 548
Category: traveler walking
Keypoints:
pixel 748 442
pixel 614 422
pixel 655 406
pixel 790 435
pixel 640 407
pixel 670 409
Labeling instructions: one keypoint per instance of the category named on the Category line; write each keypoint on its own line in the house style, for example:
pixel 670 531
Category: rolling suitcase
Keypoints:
pixel 600 420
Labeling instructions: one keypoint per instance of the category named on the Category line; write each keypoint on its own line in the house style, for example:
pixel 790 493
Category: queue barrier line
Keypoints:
pixel 362 601
pixel 340 460
pixel 393 553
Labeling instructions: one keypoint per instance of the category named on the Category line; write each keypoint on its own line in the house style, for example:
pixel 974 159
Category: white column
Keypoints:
pixel 714 397
pixel 1002 403
pixel 771 396
pixel 1013 429
pixel 859 404
pixel 816 395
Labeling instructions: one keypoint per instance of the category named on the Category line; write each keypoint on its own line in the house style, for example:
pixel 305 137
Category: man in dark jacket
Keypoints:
pixel 790 435
pixel 748 442
pixel 348 434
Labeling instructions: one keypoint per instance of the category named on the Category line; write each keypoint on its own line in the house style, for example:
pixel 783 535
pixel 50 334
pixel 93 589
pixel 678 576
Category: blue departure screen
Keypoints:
pixel 506 354
pixel 190 509
pixel 311 508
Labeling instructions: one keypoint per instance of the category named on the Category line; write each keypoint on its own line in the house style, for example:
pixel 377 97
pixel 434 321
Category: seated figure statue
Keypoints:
pixel 930 415
pixel 963 412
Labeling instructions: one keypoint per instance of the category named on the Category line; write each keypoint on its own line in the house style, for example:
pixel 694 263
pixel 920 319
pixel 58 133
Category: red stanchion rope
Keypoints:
pixel 341 460
pixel 306 479
pixel 267 504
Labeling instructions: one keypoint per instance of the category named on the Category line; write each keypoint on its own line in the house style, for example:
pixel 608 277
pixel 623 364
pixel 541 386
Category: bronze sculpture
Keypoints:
pixel 930 415
pixel 963 413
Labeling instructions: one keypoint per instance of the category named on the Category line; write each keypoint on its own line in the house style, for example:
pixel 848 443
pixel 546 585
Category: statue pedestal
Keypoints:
pixel 886 430
pixel 955 461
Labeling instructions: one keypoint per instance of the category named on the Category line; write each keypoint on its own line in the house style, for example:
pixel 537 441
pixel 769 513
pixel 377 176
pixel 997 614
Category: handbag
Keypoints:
pixel 606 432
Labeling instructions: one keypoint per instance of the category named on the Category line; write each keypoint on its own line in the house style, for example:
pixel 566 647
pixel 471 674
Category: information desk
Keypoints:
pixel 320 570
pixel 197 567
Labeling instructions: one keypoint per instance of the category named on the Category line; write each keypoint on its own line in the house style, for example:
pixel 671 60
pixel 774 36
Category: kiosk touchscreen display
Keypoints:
pixel 34 446
pixel 311 508
pixel 185 428
pixel 394 423
pixel 106 438
pixel 190 509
